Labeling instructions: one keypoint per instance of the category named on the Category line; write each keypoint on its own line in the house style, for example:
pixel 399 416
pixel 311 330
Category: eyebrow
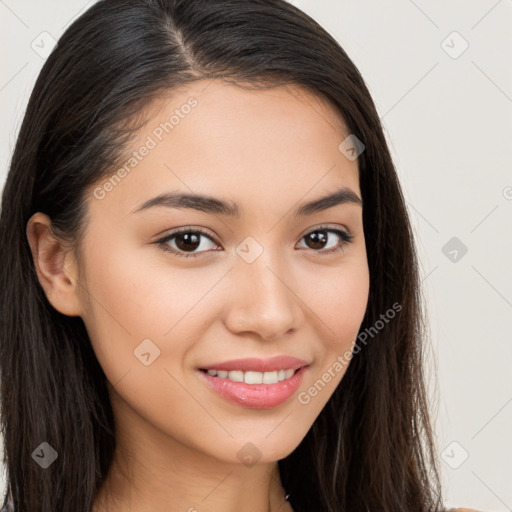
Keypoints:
pixel 217 206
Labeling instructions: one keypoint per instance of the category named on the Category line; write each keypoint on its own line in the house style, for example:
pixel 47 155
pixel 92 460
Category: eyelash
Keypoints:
pixel 346 238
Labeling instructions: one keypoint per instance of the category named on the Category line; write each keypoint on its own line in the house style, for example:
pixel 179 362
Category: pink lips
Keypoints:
pixel 256 396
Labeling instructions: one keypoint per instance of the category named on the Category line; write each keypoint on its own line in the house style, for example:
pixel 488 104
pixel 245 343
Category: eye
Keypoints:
pixel 188 239
pixel 318 237
pixel 185 239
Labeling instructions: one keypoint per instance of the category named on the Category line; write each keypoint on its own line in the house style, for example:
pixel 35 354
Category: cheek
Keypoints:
pixel 120 298
pixel 132 297
pixel 350 299
pixel 338 298
pixel 339 306
pixel 132 305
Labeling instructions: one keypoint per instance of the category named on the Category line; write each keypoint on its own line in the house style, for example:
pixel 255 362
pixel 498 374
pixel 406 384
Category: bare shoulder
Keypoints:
pixel 463 510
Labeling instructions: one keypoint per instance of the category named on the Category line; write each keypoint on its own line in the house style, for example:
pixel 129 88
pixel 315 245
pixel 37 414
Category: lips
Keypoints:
pixel 254 396
pixel 255 383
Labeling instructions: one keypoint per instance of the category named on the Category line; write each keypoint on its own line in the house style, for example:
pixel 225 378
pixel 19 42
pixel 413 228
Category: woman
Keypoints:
pixel 210 294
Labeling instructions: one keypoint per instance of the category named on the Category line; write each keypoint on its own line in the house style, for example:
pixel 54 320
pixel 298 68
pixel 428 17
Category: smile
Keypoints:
pixel 249 389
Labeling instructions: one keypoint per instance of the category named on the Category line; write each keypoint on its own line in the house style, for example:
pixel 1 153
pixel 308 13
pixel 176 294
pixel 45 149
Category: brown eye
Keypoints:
pixel 185 241
pixel 319 238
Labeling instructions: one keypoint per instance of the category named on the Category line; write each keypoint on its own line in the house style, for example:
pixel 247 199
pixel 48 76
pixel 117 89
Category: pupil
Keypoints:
pixel 319 238
pixel 191 241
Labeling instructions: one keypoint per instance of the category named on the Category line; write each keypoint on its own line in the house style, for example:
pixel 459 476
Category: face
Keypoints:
pixel 258 277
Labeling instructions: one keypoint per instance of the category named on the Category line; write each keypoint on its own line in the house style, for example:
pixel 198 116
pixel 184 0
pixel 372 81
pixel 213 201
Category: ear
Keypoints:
pixel 55 266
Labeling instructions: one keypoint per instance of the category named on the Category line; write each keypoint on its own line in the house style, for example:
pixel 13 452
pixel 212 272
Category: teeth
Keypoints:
pixel 250 377
pixel 253 377
pixel 270 377
pixel 236 375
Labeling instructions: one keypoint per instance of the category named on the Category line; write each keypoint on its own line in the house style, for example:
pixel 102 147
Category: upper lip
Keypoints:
pixel 259 365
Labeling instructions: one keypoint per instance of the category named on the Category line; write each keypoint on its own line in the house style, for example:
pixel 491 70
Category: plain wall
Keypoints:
pixel 447 111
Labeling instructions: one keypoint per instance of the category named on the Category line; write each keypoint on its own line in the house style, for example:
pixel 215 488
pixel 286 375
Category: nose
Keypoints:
pixel 263 301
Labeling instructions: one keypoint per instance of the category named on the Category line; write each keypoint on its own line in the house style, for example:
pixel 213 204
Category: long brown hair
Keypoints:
pixel 372 446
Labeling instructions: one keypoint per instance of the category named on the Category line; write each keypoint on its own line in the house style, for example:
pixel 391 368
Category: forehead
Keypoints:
pixel 219 119
pixel 217 138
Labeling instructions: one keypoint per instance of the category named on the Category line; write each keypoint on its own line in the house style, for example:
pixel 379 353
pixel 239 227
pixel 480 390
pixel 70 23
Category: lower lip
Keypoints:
pixel 255 396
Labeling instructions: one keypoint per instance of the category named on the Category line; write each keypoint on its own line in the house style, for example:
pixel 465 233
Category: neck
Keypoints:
pixel 152 472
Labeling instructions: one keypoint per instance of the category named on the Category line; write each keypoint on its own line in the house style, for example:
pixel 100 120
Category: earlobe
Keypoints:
pixel 55 266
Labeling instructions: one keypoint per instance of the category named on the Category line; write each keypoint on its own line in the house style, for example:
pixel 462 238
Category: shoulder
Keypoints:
pixel 459 510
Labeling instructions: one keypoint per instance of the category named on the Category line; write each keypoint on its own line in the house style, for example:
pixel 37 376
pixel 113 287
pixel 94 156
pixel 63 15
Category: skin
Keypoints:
pixel 268 151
